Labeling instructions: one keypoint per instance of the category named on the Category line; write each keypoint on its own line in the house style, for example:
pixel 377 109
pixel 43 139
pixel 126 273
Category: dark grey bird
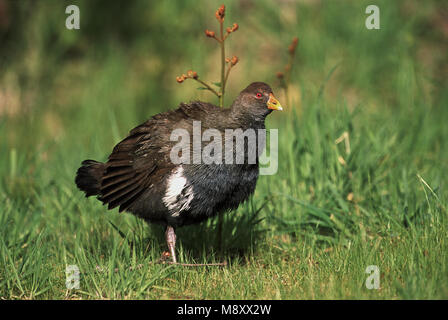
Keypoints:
pixel 141 177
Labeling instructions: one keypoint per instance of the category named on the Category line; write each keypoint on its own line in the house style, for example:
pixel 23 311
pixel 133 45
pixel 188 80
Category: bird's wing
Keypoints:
pixel 198 110
pixel 141 160
pixel 137 161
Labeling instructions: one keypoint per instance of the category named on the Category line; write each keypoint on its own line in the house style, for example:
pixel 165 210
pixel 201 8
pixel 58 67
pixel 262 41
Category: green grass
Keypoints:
pixel 309 231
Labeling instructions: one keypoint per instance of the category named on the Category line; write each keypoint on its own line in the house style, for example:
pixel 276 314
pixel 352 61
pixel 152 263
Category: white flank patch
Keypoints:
pixel 174 200
pixel 176 183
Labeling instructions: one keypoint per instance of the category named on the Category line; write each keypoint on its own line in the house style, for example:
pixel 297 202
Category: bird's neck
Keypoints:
pixel 243 117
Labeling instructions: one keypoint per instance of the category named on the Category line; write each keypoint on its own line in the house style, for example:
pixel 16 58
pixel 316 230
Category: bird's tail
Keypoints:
pixel 88 177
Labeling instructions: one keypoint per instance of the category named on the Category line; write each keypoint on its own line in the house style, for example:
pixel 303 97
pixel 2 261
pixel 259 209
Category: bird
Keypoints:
pixel 140 176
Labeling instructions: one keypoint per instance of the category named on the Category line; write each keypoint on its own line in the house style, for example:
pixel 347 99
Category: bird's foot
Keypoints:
pixel 170 236
pixel 165 259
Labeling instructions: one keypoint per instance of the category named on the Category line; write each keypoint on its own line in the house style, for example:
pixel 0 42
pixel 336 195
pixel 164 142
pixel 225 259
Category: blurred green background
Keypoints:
pixel 67 95
pixel 123 61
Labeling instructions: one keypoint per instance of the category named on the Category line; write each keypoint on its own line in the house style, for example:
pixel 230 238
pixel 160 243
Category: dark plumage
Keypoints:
pixel 140 177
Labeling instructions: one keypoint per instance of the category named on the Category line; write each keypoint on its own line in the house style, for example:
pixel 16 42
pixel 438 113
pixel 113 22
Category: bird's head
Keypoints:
pixel 257 100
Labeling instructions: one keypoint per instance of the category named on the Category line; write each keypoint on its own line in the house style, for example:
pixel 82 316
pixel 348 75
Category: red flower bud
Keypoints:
pixel 220 13
pixel 192 74
pixel 232 28
pixel 210 34
pixel 292 47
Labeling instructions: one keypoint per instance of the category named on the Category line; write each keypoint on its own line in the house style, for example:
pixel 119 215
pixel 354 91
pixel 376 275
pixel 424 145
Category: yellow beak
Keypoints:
pixel 273 103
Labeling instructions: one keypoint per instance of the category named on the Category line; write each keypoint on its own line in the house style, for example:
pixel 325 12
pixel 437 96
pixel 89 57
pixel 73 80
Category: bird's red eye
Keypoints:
pixel 258 95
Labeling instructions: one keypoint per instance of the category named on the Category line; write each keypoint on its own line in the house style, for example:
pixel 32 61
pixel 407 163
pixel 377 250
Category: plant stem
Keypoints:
pixel 219 233
pixel 223 63
pixel 227 74
pixel 288 75
pixel 221 104
pixel 208 87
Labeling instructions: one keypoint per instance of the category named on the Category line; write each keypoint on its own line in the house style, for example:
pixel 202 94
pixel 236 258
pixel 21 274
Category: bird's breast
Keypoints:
pixel 196 192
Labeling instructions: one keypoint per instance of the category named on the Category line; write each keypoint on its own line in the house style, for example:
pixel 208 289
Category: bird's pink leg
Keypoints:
pixel 170 236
